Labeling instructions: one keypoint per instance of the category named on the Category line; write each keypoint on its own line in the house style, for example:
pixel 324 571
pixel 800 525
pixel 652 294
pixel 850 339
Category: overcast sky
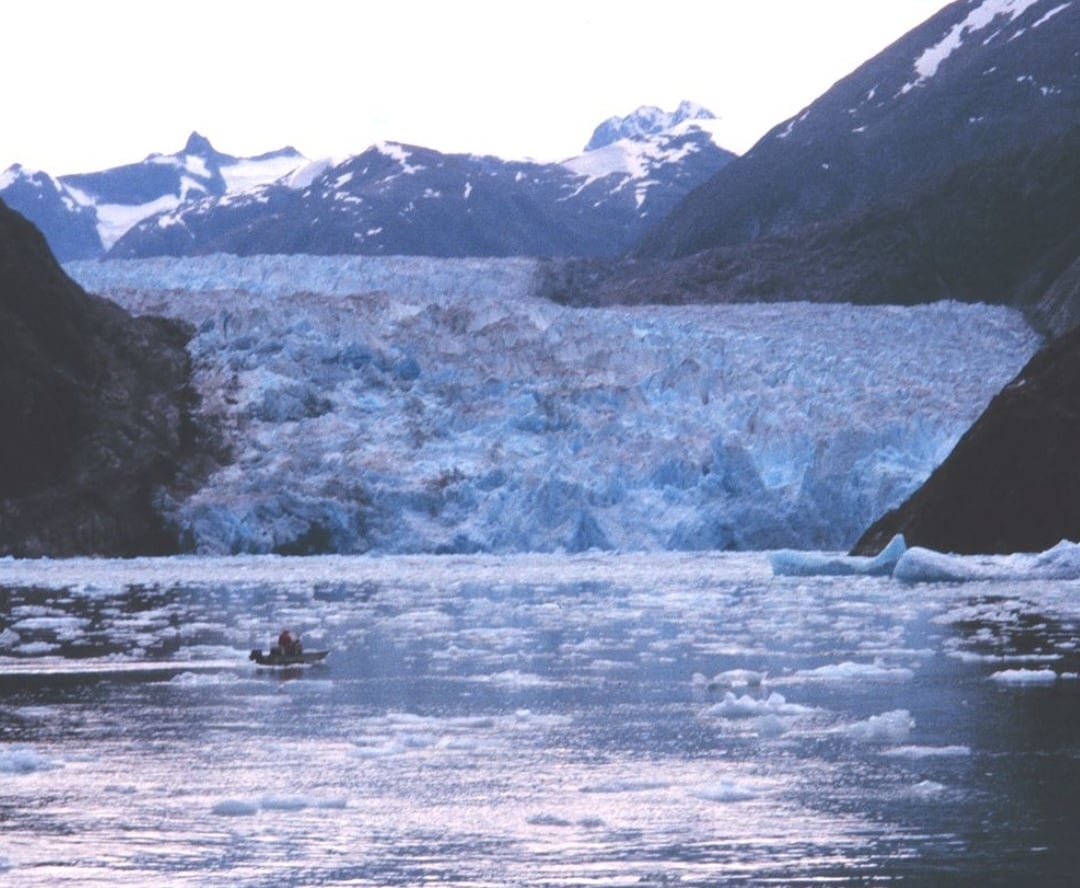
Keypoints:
pixel 90 85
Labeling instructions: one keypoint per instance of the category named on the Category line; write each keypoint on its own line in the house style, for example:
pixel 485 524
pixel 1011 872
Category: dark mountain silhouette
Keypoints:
pixel 1012 483
pixel 97 412
pixel 1003 230
pixel 976 81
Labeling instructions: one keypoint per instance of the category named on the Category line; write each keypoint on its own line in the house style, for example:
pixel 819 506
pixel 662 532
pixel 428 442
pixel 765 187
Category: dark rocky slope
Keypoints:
pixel 1012 483
pixel 1004 230
pixel 97 412
pixel 975 81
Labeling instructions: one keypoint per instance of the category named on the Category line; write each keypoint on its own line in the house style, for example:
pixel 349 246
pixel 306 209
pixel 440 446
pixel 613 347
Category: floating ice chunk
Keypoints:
pixel 36 648
pixel 855 672
pixel 889 727
pixel 918 565
pixel 1025 676
pixel 548 820
pixel 724 791
pixel 375 748
pixel 922 752
pixel 513 678
pixel 626 785
pixel 248 807
pixel 795 563
pixel 298 803
pixel 25 761
pixel 235 808
pixel 737 678
pixel 770 726
pixel 747 706
pixel 201 679
pixel 282 803
pixel 927 789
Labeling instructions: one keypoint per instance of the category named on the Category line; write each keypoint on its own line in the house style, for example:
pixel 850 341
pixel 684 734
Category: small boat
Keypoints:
pixel 278 657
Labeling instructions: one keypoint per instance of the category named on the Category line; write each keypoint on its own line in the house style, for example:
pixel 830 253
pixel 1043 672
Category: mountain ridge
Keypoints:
pixel 978 79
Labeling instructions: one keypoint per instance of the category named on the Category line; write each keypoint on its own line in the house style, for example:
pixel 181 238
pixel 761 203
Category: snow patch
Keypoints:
pixel 986 13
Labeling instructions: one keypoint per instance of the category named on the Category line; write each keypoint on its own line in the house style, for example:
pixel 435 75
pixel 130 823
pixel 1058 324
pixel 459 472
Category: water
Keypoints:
pixel 590 720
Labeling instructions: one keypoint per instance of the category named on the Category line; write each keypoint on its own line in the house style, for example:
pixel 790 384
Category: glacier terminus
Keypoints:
pixel 417 405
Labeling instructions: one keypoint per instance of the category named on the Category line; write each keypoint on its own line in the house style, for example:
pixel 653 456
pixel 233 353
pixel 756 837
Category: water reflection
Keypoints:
pixel 611 720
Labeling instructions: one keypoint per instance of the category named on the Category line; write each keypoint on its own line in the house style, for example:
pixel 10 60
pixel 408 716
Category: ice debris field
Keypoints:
pixel 411 405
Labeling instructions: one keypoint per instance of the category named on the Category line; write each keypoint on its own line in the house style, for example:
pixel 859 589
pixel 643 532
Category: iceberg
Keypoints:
pixel 919 565
pixel 416 405
pixel 788 562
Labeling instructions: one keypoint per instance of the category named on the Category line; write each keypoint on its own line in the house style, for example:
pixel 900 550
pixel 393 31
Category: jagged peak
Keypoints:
pixel 198 145
pixel 646 120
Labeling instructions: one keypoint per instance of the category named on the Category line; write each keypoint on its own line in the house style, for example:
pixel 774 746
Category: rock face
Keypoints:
pixel 55 209
pixel 1002 230
pixel 96 412
pixel 1012 483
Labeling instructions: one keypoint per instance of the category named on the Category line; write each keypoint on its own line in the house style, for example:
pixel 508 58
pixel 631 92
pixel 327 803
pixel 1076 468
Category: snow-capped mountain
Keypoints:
pixel 53 208
pixel 409 200
pixel 648 120
pixel 83 215
pixel 978 80
pixel 390 199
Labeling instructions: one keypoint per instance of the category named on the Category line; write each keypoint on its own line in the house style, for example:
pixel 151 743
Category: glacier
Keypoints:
pixel 412 405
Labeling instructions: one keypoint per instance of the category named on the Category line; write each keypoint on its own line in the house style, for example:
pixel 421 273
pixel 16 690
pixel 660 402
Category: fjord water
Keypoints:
pixel 533 720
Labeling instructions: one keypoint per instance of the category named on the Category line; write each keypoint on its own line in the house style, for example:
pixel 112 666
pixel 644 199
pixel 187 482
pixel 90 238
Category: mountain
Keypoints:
pixel 82 215
pixel 1012 483
pixel 648 120
pixel 980 79
pixel 396 199
pixel 390 199
pixel 53 208
pixel 97 410
pixel 1003 230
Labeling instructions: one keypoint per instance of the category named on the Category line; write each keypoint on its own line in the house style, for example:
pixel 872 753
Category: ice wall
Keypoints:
pixel 418 405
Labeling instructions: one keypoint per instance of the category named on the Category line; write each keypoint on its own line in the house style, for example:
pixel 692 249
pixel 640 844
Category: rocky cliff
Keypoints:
pixel 97 412
pixel 1012 483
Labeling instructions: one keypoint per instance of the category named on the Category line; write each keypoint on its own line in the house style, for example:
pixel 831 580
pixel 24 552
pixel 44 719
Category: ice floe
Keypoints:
pixel 25 761
pixel 888 727
pixel 1023 677
pixel 791 562
pixel 921 565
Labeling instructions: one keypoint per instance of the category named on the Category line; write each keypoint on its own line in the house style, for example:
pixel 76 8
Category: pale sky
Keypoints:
pixel 88 85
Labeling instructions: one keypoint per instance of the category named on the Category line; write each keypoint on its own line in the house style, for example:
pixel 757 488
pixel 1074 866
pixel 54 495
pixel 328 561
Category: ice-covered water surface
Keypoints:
pixel 533 720
pixel 406 405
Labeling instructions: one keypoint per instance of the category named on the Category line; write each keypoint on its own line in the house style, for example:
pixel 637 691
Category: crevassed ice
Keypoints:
pixel 982 16
pixel 416 405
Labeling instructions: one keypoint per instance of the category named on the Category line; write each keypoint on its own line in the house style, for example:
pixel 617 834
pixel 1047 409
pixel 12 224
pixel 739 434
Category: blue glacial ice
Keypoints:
pixel 406 405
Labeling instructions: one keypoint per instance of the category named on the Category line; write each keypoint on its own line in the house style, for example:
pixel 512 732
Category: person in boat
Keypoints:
pixel 289 643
